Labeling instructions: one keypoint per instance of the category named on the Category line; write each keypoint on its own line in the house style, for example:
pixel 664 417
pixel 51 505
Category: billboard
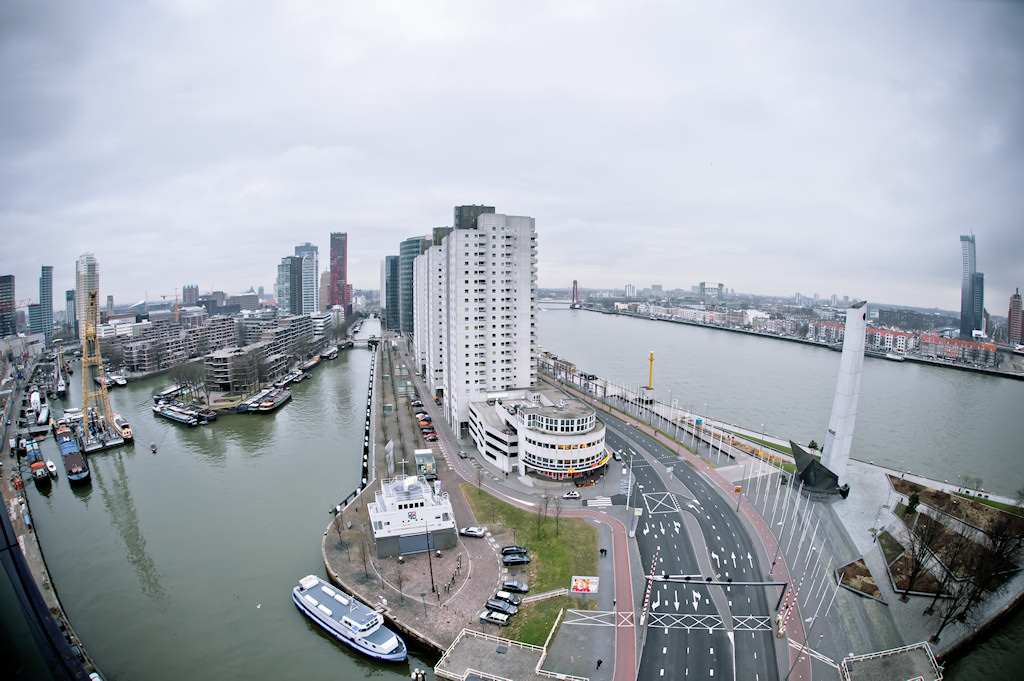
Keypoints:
pixel 583 585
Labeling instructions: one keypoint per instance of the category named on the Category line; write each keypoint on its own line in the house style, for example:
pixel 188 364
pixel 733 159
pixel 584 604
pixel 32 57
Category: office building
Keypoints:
pixel 972 291
pixel 338 294
pixel 70 313
pixel 46 302
pixel 7 306
pixel 288 287
pixel 1013 320
pixel 630 291
pixel 310 278
pixel 87 279
pixel 408 251
pixel 476 296
pixel 190 295
pixel 389 293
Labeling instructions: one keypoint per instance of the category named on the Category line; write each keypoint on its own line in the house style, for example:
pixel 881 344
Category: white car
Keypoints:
pixel 473 531
pixel 571 494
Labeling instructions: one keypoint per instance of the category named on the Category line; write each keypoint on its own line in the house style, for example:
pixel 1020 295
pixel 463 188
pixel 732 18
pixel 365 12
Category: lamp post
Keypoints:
pixel 430 562
pixel 492 512
pixel 513 534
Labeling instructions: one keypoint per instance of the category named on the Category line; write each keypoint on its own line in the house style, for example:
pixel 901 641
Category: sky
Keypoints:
pixel 831 148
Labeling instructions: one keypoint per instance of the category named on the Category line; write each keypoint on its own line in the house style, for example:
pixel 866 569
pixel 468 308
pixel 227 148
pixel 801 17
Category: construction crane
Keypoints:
pixel 92 368
pixel 175 294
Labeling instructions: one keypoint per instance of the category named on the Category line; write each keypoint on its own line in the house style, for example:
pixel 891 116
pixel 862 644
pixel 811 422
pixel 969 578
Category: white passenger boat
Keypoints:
pixel 347 619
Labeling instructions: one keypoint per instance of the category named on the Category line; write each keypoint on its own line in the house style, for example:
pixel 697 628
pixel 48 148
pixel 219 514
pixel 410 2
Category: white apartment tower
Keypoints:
pixel 476 295
pixel 87 278
pixel 310 255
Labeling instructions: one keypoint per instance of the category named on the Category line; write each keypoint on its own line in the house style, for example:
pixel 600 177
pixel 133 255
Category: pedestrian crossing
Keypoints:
pixel 599 501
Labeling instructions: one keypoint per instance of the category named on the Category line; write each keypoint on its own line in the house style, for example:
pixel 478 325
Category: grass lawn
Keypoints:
pixel 557 556
pixel 1009 508
pixel 891 549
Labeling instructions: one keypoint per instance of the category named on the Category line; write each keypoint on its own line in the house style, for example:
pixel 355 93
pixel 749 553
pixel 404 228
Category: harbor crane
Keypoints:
pixel 175 294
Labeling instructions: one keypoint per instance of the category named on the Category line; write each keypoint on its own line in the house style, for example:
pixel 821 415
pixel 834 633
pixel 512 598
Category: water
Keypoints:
pixel 937 422
pixel 180 564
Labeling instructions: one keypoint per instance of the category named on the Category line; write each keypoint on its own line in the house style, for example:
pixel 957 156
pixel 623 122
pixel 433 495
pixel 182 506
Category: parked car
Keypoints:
pixel 498 605
pixel 515 559
pixel 617 455
pixel 430 437
pixel 571 494
pixel 514 586
pixel 462 454
pixel 511 549
pixel 417 403
pixel 492 617
pixel 472 531
pixel 509 597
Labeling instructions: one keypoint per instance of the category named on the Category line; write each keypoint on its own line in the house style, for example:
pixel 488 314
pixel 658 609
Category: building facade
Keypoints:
pixel 71 312
pixel 46 302
pixel 310 269
pixel 477 294
pixel 288 287
pixel 408 516
pixel 87 278
pixel 338 293
pixel 539 431
pixel 1013 320
pixel 408 251
pixel 389 293
pixel 970 310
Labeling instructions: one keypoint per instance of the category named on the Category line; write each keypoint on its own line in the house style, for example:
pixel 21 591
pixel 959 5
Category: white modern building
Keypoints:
pixel 475 304
pixel 87 278
pixel 409 516
pixel 540 431
pixel 310 255
pixel 839 439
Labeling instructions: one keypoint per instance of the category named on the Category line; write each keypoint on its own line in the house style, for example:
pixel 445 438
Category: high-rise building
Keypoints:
pixel 339 272
pixel 310 278
pixel 630 290
pixel 389 292
pixel 325 290
pixel 46 301
pixel 7 303
pixel 87 278
pixel 70 312
pixel 980 314
pixel 288 288
pixel 190 295
pixel 408 251
pixel 1014 321
pixel 968 314
pixel 475 308
pixel 110 306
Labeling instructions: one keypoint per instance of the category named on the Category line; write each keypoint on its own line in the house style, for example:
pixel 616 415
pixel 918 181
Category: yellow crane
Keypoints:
pixel 175 294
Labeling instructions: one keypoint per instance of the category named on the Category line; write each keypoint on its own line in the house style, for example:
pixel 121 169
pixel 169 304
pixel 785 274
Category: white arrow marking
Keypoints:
pixel 734 560
pixel 715 556
pixel 696 600
pixel 751 559
pixel 677 600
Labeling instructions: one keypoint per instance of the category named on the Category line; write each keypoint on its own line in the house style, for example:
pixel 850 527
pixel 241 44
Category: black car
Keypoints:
pixel 515 559
pixel 513 586
pixel 508 597
pixel 498 605
pixel 511 549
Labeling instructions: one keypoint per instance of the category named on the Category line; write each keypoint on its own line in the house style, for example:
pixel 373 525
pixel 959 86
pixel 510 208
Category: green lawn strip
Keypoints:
pixel 573 550
pixel 534 621
pixel 891 548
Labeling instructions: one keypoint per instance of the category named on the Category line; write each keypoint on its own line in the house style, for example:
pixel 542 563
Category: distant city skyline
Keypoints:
pixel 834 149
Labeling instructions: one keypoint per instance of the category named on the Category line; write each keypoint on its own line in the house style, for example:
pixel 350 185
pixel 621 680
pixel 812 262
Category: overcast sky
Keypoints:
pixel 837 147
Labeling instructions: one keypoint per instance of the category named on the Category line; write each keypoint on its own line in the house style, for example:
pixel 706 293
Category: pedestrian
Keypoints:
pixel 599 662
pixel 613 602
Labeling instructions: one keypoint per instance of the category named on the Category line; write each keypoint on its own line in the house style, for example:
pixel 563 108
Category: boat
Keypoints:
pixel 331 352
pixel 122 428
pixel 175 414
pixel 275 399
pixel 51 468
pixel 39 473
pixel 169 393
pixel 152 447
pixel 62 388
pixel 895 356
pixel 118 380
pixel 253 403
pixel 75 466
pixel 347 619
pixel 44 416
pixel 311 363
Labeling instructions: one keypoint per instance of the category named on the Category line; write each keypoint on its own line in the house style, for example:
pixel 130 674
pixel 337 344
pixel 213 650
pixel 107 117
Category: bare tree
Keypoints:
pixel 559 502
pixel 923 536
pixel 400 581
pixel 545 502
pixel 479 477
pixel 363 550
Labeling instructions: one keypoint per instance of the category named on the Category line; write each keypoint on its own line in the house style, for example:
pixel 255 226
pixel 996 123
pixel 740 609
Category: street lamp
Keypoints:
pixel 492 512
pixel 513 534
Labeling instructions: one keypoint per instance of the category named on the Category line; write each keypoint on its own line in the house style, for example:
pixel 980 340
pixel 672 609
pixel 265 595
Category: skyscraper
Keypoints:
pixel 389 292
pixel 408 251
pixel 46 301
pixel 967 297
pixel 310 255
pixel 190 295
pixel 87 278
pixel 475 299
pixel 339 271
pixel 7 303
pixel 1014 321
pixel 71 312
pixel 288 287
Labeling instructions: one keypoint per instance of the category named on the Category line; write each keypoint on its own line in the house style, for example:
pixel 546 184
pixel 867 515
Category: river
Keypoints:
pixel 179 564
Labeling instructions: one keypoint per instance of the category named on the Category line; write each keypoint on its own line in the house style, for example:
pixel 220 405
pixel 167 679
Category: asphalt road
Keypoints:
pixel 695 630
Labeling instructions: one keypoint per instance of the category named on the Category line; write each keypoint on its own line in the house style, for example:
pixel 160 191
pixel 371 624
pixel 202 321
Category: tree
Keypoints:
pixel 545 502
pixel 923 540
pixel 912 502
pixel 813 445
pixel 400 580
pixel 559 501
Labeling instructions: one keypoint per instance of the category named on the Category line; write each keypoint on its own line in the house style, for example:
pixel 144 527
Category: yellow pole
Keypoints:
pixel 650 378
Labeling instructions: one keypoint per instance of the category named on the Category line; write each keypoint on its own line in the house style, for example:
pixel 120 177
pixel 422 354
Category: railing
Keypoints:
pixel 546 594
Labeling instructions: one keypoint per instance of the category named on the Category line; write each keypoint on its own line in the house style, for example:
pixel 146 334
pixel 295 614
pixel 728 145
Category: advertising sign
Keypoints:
pixel 583 585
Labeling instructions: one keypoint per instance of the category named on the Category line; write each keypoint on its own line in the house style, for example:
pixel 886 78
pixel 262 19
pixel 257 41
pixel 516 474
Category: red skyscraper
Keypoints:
pixel 339 271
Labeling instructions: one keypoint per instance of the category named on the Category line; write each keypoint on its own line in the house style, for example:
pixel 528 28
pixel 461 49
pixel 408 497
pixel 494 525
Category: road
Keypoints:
pixel 695 630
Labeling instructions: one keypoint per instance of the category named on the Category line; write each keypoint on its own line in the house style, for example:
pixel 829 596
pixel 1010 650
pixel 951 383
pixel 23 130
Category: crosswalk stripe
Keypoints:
pixel 600 501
